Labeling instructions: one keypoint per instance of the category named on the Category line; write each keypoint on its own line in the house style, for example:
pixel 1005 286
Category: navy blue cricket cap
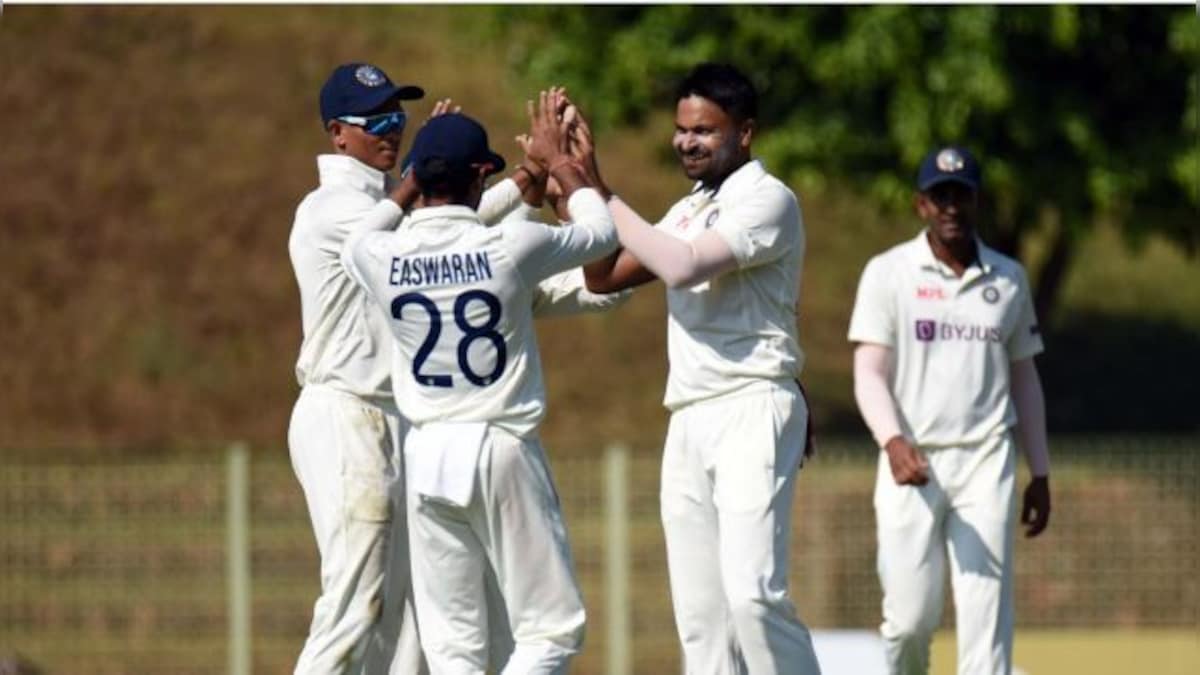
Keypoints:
pixel 357 88
pixel 950 163
pixel 456 139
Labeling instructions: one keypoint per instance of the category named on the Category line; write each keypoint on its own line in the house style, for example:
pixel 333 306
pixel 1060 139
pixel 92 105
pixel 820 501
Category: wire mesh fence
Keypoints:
pixel 120 567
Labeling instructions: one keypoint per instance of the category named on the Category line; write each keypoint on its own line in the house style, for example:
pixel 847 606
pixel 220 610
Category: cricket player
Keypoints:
pixel 481 498
pixel 345 431
pixel 730 253
pixel 344 435
pixel 943 376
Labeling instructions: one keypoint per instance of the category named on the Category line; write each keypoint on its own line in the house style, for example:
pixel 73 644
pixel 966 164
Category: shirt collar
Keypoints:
pixel 741 178
pixel 345 170
pixel 922 255
pixel 443 216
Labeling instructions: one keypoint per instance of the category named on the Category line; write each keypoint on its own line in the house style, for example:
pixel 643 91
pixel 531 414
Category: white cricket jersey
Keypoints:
pixel 346 340
pixel 953 338
pixel 738 328
pixel 460 298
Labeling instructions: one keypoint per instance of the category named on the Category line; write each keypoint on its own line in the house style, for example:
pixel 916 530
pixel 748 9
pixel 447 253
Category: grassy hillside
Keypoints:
pixel 152 162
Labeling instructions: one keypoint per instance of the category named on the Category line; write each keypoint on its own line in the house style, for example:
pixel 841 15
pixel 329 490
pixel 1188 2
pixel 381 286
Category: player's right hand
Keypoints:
pixel 909 465
pixel 444 106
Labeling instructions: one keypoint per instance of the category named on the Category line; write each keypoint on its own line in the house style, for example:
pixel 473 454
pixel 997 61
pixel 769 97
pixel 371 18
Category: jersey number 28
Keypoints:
pixel 485 331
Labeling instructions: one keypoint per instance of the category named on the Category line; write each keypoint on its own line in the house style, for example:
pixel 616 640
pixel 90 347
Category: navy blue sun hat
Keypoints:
pixel 357 88
pixel 951 163
pixel 457 140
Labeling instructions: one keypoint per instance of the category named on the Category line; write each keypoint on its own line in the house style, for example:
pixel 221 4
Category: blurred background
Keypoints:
pixel 152 158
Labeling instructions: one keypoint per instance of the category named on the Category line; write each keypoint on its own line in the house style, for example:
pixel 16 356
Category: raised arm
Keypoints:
pixel 677 262
pixel 543 250
pixel 620 270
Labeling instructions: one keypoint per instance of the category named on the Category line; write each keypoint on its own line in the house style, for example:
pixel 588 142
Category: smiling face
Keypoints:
pixel 709 143
pixel 379 152
pixel 950 209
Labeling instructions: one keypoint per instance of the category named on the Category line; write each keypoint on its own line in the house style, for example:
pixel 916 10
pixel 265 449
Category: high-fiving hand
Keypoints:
pixel 549 132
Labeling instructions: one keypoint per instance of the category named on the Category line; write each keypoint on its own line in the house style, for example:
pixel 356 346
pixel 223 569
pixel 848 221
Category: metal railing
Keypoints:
pixel 162 565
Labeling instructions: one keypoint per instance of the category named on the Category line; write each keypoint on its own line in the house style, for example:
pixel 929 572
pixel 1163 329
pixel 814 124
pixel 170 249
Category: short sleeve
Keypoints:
pixel 874 317
pixel 762 227
pixel 1026 338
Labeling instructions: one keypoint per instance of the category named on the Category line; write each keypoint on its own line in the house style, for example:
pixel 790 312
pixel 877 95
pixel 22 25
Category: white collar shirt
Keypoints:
pixel 953 338
pixel 459 298
pixel 346 343
pixel 739 328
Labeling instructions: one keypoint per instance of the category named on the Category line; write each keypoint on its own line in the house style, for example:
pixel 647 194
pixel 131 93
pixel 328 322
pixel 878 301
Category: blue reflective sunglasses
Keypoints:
pixel 378 125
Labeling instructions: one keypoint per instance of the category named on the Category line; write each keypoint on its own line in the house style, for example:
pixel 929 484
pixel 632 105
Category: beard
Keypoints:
pixel 710 167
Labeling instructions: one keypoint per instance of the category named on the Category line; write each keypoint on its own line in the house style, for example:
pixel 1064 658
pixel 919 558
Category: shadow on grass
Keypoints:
pixel 1106 373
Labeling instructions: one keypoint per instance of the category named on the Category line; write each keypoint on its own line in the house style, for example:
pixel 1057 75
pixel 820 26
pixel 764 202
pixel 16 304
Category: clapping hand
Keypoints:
pixel 444 106
pixel 549 132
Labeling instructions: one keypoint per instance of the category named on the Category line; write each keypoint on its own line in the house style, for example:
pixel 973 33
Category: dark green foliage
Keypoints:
pixel 1079 114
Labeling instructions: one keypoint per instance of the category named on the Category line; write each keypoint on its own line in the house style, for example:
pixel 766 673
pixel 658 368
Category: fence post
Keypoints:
pixel 237 562
pixel 617 605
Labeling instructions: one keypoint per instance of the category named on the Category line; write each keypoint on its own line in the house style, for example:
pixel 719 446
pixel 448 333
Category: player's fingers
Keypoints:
pixel 557 99
pixel 552 116
pixel 1037 522
pixel 919 466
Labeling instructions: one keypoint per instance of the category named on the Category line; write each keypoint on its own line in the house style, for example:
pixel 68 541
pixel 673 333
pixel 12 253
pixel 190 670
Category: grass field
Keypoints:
pixel 194 132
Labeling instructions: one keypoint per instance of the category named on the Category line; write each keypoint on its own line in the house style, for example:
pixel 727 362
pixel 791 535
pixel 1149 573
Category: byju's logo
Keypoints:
pixel 926 330
pixel 929 330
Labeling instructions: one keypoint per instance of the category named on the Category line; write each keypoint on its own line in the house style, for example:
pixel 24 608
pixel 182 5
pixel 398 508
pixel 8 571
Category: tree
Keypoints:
pixel 1078 114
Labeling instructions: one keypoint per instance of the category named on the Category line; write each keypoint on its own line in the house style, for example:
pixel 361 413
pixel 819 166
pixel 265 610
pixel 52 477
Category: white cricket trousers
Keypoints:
pixel 728 480
pixel 345 453
pixel 966 510
pixel 511 536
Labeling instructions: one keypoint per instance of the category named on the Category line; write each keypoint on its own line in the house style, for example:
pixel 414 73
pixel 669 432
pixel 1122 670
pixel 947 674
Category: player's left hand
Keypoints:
pixel 1035 509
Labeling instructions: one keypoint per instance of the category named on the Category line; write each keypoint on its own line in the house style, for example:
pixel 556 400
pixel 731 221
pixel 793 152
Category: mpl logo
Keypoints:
pixel 926 330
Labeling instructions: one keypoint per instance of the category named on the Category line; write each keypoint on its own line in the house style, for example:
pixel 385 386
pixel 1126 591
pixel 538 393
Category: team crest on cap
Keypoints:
pixel 950 161
pixel 371 77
